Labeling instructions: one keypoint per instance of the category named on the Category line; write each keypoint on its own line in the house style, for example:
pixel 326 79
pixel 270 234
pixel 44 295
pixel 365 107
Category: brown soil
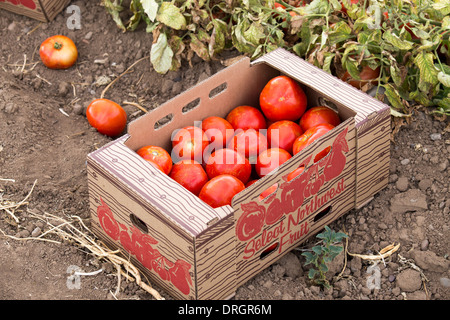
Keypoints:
pixel 45 137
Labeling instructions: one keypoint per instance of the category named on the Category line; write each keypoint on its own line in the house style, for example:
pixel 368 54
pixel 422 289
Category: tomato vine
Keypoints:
pixel 408 40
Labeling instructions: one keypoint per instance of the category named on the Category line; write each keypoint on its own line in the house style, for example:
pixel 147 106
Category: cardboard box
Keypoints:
pixel 42 10
pixel 196 252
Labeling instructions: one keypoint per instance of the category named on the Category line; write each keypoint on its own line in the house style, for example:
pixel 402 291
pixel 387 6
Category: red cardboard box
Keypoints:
pixel 196 252
pixel 42 10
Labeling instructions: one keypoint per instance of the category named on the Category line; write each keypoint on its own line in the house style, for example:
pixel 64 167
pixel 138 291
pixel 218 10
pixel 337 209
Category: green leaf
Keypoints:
pixel 428 73
pixel 446 22
pixel 309 257
pixel 161 54
pixel 218 37
pixel 327 61
pixel 398 43
pixel 114 9
pixel 393 96
pixel 312 273
pixel 443 6
pixel 150 8
pixel 444 78
pixel 171 16
pixel 317 250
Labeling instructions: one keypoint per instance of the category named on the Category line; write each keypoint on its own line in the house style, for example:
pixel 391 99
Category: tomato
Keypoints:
pixel 220 190
pixel 268 191
pixel 295 173
pixel 270 159
pixel 228 161
pixel 318 115
pixel 158 155
pixel 189 143
pixel 190 174
pixel 107 117
pixel 282 98
pixel 250 143
pixel 246 117
pixel 282 134
pixel 218 130
pixel 367 75
pixel 309 137
pixel 58 52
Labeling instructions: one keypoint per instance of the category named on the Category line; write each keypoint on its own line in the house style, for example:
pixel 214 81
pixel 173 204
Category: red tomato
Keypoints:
pixel 250 143
pixel 282 98
pixel 367 75
pixel 218 130
pixel 228 161
pixel 190 174
pixel 281 134
pixel 317 115
pixel 189 143
pixel 58 52
pixel 158 155
pixel 295 173
pixel 271 159
pixel 220 190
pixel 246 117
pixel 107 117
pixel 250 182
pixel 268 191
pixel 309 137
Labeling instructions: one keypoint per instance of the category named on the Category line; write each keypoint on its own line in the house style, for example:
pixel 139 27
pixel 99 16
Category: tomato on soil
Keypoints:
pixel 158 155
pixel 58 52
pixel 228 161
pixel 310 136
pixel 107 117
pixel 190 174
pixel 270 159
pixel 281 134
pixel 282 98
pixel 246 117
pixel 250 143
pixel 220 190
pixel 189 143
pixel 317 115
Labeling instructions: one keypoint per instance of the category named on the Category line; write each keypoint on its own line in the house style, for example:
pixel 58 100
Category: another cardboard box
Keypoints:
pixel 42 10
pixel 196 252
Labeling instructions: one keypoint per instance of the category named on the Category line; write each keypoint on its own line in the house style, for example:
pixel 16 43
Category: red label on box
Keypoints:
pixel 26 3
pixel 292 194
pixel 141 246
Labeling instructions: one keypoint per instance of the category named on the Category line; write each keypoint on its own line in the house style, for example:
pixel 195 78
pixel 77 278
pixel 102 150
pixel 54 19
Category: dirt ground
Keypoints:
pixel 45 137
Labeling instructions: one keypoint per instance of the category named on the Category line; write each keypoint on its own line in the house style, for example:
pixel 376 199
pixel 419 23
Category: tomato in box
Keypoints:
pixel 189 143
pixel 220 190
pixel 271 159
pixel 309 137
pixel 282 134
pixel 318 115
pixel 250 143
pixel 246 117
pixel 190 174
pixel 158 155
pixel 228 161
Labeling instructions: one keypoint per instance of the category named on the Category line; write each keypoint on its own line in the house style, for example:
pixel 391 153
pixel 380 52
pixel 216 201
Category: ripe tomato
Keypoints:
pixel 317 115
pixel 268 191
pixel 309 137
pixel 220 190
pixel 295 173
pixel 58 52
pixel 281 134
pixel 228 161
pixel 250 143
pixel 189 143
pixel 282 98
pixel 367 75
pixel 158 155
pixel 107 117
pixel 218 130
pixel 246 117
pixel 270 159
pixel 190 174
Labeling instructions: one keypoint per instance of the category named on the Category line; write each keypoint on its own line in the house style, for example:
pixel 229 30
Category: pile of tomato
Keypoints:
pixel 224 155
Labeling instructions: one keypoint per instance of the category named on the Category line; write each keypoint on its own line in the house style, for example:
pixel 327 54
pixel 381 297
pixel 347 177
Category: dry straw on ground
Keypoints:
pixel 73 230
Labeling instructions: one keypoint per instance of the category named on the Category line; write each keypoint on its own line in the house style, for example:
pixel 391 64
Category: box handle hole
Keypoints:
pixel 163 121
pixel 327 103
pixel 322 214
pixel 191 106
pixel 138 223
pixel 218 90
pixel 270 249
